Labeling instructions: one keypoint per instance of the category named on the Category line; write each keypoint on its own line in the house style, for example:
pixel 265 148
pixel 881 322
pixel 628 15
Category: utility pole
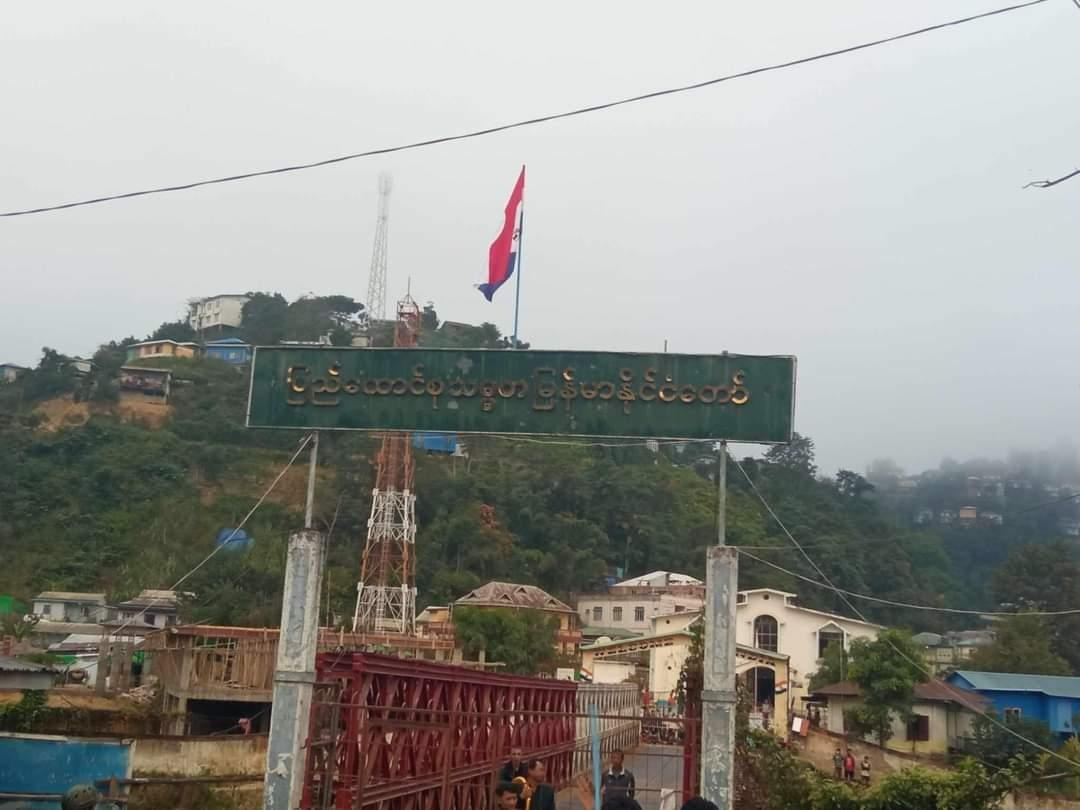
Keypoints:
pixel 718 696
pixel 294 675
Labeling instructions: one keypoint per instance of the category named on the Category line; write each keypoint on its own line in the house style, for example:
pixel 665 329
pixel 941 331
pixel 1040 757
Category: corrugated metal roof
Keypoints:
pixel 1056 685
pixel 929 692
pixel 72 596
pixel 8 664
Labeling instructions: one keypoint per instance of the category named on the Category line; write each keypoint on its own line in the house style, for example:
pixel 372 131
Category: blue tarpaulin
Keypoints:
pixel 435 442
pixel 36 763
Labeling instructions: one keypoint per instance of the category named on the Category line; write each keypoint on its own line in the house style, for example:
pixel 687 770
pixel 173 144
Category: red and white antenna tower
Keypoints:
pixel 386 592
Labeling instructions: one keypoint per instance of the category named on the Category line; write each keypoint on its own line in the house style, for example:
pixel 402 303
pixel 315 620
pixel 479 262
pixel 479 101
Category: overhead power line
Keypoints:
pixel 528 122
pixel 916 664
pixel 907 605
pixel 224 543
pixel 1062 179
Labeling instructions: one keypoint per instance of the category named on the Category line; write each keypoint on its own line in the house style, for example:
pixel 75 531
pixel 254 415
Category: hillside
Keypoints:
pixel 94 496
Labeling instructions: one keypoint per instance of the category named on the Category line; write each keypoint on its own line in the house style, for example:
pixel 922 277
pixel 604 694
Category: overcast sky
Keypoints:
pixel 864 213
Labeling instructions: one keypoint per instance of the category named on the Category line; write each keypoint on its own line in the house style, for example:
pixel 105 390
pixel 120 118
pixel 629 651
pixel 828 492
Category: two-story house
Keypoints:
pixel 68 606
pixel 217 314
pixel 156 608
pixel 771 620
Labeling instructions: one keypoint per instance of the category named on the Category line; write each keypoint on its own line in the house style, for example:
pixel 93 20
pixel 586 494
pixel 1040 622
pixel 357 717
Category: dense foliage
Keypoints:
pixel 521 641
pixel 113 503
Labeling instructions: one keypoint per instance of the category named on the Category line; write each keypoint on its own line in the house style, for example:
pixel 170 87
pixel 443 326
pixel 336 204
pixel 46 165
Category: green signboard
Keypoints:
pixel 564 393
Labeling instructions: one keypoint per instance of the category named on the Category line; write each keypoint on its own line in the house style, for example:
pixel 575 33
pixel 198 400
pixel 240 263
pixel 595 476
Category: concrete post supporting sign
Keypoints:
pixel 718 695
pixel 294 677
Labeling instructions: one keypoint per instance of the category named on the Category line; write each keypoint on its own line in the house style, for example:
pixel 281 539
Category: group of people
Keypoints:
pixel 845 765
pixel 521 785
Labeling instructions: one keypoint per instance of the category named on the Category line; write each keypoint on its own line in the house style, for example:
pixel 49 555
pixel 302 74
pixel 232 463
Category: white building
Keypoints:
pixel 67 606
pixel 629 607
pixel 770 620
pixel 156 608
pixel 216 313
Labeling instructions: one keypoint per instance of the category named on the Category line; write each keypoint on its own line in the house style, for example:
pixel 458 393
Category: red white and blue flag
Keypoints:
pixel 504 251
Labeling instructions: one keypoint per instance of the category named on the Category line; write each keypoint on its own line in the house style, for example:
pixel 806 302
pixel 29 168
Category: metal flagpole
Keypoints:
pixel 517 271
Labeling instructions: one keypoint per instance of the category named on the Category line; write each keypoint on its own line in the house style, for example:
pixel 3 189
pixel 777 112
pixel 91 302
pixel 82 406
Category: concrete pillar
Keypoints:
pixel 294 676
pixel 718 696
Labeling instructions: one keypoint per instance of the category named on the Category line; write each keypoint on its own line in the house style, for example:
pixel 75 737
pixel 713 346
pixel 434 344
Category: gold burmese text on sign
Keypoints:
pixel 548 386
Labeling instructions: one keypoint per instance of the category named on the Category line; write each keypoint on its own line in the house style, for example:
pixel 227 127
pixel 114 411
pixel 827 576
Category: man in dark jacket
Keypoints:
pixel 513 767
pixel 537 794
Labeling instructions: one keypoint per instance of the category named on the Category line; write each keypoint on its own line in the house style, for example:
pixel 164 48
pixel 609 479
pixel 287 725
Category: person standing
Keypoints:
pixel 617 781
pixel 513 766
pixel 536 794
pixel 849 767
pixel 838 765
pixel 864 770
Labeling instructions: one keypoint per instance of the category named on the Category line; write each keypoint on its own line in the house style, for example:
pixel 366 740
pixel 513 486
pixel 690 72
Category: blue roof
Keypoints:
pixel 229 341
pixel 1054 685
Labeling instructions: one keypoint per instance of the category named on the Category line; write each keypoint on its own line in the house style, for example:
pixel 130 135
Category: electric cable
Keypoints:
pixel 542 119
pixel 907 605
pixel 989 717
pixel 222 545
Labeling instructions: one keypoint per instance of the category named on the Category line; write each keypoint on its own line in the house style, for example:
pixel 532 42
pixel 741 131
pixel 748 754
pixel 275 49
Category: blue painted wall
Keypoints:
pixel 230 354
pixel 32 763
pixel 1056 712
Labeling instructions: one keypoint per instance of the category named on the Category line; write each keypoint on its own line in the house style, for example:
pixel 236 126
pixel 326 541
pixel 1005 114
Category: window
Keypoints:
pixel 680 608
pixel 639 613
pixel 597 613
pixel 740 599
pixel 46 609
pixel 616 614
pixel 1013 714
pixel 918 728
pixel 766 633
pixel 85 611
pixel 827 636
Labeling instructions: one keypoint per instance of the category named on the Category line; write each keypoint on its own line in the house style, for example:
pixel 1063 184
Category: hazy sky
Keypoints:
pixel 864 213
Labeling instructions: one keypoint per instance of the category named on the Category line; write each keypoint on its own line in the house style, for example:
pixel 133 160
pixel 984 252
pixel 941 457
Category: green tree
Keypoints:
pixel 1045 577
pixel 834 667
pixel 852 485
pixel 797 455
pixel 886 670
pixel 522 640
pixel 996 741
pixel 1023 645
pixel 262 320
pixel 180 331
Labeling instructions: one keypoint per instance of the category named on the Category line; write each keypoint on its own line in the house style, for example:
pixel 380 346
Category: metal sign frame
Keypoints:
pixel 648 370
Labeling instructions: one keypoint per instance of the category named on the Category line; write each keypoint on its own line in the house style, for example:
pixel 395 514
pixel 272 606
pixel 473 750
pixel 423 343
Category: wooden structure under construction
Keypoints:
pixel 208 670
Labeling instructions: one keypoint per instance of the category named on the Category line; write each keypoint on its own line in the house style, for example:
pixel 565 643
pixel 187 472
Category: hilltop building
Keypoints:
pixel 231 350
pixel 217 314
pixel 9 372
pixel 155 349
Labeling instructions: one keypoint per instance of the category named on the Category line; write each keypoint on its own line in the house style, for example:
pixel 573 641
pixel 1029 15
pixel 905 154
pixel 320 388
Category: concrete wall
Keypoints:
pixel 226 755
pixel 14 681
pixel 612 671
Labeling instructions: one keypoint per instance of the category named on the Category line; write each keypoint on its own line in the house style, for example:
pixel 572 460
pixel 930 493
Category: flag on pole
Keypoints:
pixel 503 254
